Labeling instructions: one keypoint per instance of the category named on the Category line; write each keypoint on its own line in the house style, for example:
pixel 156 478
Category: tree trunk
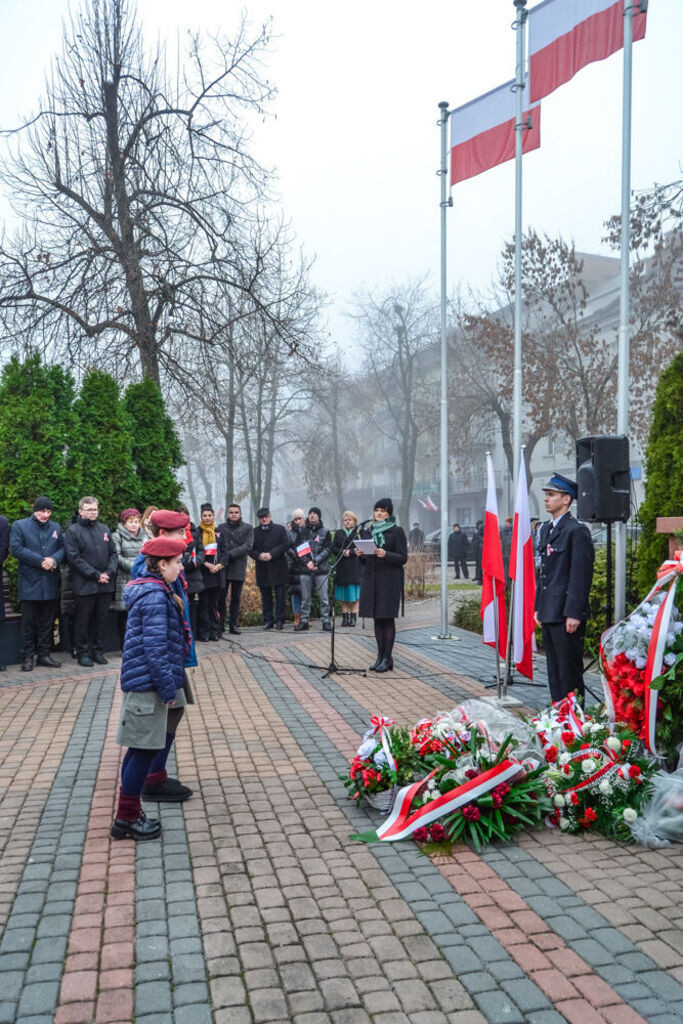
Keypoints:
pixel 194 507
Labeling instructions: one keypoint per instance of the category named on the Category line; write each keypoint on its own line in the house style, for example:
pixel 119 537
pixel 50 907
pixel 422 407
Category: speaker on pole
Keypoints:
pixel 603 479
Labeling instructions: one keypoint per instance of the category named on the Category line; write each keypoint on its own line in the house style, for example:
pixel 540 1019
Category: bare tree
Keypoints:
pixel 330 450
pixel 139 197
pixel 396 329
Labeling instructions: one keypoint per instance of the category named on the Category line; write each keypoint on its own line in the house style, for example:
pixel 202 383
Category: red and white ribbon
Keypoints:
pixel 401 823
pixel 379 724
pixel 655 659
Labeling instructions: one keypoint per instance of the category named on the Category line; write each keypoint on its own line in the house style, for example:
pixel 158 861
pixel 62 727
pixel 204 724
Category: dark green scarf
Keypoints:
pixel 379 528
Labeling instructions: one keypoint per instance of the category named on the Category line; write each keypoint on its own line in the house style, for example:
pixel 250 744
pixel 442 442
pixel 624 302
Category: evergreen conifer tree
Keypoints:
pixel 664 464
pixel 37 427
pixel 157 450
pixel 102 449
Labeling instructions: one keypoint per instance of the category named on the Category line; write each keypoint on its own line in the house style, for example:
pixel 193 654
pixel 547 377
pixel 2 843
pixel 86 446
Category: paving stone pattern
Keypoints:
pixel 256 906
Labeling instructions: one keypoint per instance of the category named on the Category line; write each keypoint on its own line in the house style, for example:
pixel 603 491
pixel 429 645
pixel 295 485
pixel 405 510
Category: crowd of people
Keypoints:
pixel 172 582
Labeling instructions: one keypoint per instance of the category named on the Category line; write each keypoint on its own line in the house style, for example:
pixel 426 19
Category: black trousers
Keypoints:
pixel 267 603
pixel 564 659
pixel 235 588
pixel 209 620
pixel 91 621
pixel 458 564
pixel 37 625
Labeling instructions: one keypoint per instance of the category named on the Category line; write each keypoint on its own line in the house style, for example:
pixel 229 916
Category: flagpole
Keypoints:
pixel 624 298
pixel 444 204
pixel 520 25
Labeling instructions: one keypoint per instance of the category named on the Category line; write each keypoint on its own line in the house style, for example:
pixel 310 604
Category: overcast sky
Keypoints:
pixel 354 135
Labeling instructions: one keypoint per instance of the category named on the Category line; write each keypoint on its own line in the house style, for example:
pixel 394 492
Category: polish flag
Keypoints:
pixel 492 571
pixel 565 35
pixel 523 572
pixel 428 504
pixel 483 131
pixel 303 549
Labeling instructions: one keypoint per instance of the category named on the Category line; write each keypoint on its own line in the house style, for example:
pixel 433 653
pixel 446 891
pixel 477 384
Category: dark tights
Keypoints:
pixel 385 634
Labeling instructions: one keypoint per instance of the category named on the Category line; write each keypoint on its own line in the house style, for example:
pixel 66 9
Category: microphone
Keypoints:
pixel 365 522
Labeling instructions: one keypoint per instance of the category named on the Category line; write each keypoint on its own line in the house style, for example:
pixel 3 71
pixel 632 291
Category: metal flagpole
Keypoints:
pixel 624 299
pixel 520 26
pixel 445 203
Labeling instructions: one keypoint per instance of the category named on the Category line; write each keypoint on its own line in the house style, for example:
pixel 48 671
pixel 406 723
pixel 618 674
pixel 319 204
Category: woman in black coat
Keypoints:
pixel 381 584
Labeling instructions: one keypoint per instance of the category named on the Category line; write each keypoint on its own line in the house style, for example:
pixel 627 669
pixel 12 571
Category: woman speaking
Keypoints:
pixel 382 580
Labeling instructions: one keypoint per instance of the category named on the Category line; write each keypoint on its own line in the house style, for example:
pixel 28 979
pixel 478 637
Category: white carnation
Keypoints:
pixel 641 662
pixel 564 824
pixel 614 743
pixel 605 787
pixel 559 800
pixel 630 815
pixel 669 659
pixel 588 766
pixel 564 758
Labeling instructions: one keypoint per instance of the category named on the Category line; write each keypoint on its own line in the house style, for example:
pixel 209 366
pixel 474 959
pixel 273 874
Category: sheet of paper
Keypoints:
pixel 366 547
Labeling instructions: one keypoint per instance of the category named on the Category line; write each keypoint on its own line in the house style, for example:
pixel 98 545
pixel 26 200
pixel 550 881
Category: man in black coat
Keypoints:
pixel 457 551
pixel 38 546
pixel 235 540
pixel 93 560
pixel 563 590
pixel 478 549
pixel 4 550
pixel 271 542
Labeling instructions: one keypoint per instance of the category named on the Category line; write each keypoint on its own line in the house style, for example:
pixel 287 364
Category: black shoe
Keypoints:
pixel 267 625
pixel 137 830
pixel 279 625
pixel 327 627
pixel 48 661
pixel 345 619
pixel 385 665
pixel 301 628
pixel 27 664
pixel 3 668
pixel 100 659
pixel 352 619
pixel 235 631
pixel 214 639
pixel 380 659
pixel 85 660
pixel 169 792
pixel 202 639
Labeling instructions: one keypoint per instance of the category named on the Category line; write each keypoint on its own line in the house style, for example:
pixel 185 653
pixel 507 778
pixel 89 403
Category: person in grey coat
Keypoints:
pixel 38 546
pixel 128 539
pixel 235 540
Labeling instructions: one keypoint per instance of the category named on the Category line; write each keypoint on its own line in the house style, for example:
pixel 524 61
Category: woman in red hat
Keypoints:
pixel 152 673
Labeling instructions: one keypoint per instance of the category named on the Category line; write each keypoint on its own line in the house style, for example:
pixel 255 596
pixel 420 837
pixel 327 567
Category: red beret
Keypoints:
pixel 164 547
pixel 167 520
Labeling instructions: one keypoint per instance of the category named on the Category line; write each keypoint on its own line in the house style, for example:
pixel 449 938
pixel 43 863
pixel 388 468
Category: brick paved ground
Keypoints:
pixel 256 907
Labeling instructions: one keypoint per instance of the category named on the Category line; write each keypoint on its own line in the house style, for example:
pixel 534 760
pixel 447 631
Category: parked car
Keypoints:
pixel 433 541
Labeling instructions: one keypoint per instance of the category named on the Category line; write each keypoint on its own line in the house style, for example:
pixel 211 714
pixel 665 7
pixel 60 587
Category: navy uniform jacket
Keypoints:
pixel 30 542
pixel 566 571
pixel 274 539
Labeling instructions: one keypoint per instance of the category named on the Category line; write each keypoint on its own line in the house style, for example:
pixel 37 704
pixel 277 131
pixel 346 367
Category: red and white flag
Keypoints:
pixel 303 549
pixel 523 572
pixel 483 131
pixel 428 504
pixel 493 573
pixel 565 35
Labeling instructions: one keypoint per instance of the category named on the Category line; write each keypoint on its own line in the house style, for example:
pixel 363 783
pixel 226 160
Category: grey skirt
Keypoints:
pixel 143 719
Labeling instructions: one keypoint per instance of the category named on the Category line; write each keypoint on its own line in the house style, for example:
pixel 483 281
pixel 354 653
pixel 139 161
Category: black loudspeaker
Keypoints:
pixel 603 477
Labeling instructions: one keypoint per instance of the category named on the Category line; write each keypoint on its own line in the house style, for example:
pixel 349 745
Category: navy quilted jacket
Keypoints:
pixel 153 647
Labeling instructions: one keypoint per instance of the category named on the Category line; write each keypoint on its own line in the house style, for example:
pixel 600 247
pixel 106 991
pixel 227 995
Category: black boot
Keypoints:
pixel 352 619
pixel 143 828
pixel 380 659
pixel 385 665
pixel 345 619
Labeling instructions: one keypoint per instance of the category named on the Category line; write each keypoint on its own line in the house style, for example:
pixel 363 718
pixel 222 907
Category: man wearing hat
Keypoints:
pixel 269 551
pixel 563 589
pixel 314 565
pixel 38 546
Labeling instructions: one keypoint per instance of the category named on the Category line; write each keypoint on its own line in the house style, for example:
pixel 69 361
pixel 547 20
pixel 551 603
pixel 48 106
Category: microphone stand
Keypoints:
pixel 333 667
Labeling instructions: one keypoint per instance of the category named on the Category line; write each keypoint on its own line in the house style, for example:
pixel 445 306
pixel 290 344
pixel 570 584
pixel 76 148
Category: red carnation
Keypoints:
pixel 567 737
pixel 471 813
pixel 437 833
pixel 634 771
pixel 574 798
pixel 551 754
pixel 420 835
pixel 626 743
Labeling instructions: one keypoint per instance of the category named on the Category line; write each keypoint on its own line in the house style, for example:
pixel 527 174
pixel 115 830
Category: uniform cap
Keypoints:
pixel 557 482
pixel 263 512
pixel 164 547
pixel 165 519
